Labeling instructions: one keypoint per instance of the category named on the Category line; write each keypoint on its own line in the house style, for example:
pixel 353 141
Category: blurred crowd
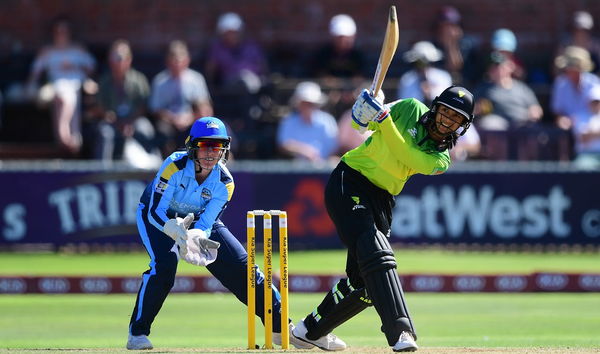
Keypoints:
pixel 102 107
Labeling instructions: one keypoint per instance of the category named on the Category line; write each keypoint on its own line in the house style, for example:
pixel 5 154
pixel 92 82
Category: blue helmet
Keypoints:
pixel 207 128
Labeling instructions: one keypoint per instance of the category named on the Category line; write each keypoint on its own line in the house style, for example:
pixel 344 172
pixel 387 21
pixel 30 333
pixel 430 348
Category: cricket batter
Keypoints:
pixel 408 138
pixel 196 184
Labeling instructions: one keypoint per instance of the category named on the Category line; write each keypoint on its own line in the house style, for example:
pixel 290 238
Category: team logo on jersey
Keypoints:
pixel 357 202
pixel 206 194
pixel 161 187
pixel 438 171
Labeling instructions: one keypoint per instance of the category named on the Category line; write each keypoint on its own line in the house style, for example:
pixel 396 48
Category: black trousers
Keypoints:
pixel 357 207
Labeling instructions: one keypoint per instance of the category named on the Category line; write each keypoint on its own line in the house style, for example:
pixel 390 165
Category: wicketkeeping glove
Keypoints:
pixel 177 228
pixel 368 108
pixel 198 249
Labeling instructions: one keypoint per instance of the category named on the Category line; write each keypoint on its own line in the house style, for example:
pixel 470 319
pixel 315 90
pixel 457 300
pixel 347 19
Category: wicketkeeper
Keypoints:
pixel 408 138
pixel 194 184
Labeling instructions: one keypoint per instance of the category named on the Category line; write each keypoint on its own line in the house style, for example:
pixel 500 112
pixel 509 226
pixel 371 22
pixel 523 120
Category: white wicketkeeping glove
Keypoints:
pixel 177 228
pixel 368 108
pixel 199 250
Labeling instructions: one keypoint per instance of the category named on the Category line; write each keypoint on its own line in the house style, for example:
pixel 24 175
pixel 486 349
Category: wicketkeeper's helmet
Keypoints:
pixel 207 129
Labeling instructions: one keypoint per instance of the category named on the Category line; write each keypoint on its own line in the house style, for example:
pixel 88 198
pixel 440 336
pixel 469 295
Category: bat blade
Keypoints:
pixel 388 49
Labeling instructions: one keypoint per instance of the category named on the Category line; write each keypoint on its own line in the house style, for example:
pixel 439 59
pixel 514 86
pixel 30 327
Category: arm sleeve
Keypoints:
pixel 417 160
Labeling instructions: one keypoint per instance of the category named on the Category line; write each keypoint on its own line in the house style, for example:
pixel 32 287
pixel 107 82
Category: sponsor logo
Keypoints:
pixel 95 285
pixel 304 283
pixel 551 282
pixel 54 285
pixel 357 202
pixel 431 283
pixel 509 283
pixel 213 285
pixel 161 187
pixel 413 132
pixel 589 282
pixel 131 285
pixel 469 283
pixel 183 285
pixel 12 286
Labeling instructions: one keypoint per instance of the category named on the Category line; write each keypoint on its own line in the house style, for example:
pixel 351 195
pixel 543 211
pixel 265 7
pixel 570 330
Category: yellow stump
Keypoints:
pixel 268 250
pixel 283 282
pixel 251 277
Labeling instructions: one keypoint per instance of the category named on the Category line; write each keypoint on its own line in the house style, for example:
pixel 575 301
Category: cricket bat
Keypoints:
pixel 390 43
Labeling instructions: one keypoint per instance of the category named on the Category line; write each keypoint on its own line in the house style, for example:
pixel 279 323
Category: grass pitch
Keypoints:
pixel 446 323
pixel 217 322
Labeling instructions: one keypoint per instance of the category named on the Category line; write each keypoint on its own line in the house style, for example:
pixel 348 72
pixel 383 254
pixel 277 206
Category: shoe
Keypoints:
pixel 297 343
pixel 138 342
pixel 406 343
pixel 329 342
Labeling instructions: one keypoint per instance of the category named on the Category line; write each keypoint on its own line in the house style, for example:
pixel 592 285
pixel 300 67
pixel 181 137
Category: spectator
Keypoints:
pixel 467 147
pixel 179 95
pixel 580 35
pixel 122 96
pixel 424 81
pixel 503 102
pixel 459 50
pixel 339 58
pixel 339 64
pixel 308 133
pixel 348 137
pixel 235 70
pixel 504 42
pixel 571 89
pixel 587 133
pixel 67 65
pixel 232 59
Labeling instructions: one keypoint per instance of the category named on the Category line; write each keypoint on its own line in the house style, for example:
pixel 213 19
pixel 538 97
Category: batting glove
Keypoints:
pixel 368 108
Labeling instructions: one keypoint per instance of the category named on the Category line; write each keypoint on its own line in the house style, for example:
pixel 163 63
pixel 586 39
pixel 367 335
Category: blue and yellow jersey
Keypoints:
pixel 393 153
pixel 175 192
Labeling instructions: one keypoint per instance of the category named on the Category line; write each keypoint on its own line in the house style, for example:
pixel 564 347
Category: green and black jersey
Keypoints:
pixel 392 154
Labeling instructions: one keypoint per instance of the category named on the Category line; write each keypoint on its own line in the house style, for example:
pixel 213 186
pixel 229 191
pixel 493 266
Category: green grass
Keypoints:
pixel 445 322
pixel 409 261
pixel 188 321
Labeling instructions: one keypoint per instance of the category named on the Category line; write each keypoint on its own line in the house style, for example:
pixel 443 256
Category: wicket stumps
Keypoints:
pixel 268 273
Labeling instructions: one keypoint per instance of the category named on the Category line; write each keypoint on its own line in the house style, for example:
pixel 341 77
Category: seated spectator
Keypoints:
pixel 504 42
pixel 235 70
pixel 580 35
pixel 308 133
pixel 503 102
pixel 587 133
pixel 179 95
pixel 121 105
pixel 339 64
pixel 571 89
pixel 467 147
pixel 339 58
pixel 460 51
pixel 424 81
pixel 348 137
pixel 67 65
